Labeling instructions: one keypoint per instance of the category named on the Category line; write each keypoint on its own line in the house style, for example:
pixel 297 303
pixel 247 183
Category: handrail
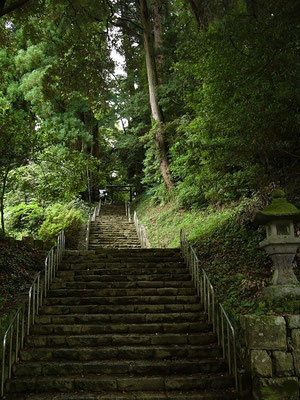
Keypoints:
pixel 215 311
pixel 141 232
pixel 127 210
pixel 138 226
pixel 93 214
pixel 24 318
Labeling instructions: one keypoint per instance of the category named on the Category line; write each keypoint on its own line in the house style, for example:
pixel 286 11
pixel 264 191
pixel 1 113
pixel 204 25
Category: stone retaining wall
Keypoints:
pixel 270 346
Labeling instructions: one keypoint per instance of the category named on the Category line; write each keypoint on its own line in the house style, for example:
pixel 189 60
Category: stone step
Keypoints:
pixel 121 265
pixel 113 235
pixel 60 283
pixel 89 276
pixel 158 328
pixel 121 292
pixel 121 233
pixel 134 318
pixel 122 258
pixel 95 383
pixel 112 253
pixel 99 238
pixel 79 253
pixel 109 231
pixel 117 243
pixel 121 339
pixel 122 352
pixel 115 246
pixel 119 309
pixel 118 271
pixel 121 300
pixel 224 394
pixel 120 367
pixel 121 322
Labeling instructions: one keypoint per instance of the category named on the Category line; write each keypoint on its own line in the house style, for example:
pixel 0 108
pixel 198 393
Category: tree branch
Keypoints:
pixel 236 48
pixel 13 7
pixel 2 4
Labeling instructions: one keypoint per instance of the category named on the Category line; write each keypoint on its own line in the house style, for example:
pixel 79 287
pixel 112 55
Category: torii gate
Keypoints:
pixel 120 188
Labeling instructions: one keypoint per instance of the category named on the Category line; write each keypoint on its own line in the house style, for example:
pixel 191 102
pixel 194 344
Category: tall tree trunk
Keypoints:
pixel 95 152
pixel 2 199
pixel 197 8
pixel 152 85
pixel 158 33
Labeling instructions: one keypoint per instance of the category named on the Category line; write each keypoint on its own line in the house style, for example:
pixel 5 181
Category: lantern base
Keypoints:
pixel 279 291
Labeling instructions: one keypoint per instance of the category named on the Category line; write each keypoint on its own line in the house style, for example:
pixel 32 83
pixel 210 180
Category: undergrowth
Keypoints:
pixel 227 245
pixel 18 265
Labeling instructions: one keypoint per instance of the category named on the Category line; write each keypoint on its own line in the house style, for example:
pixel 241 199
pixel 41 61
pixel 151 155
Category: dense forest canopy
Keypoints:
pixel 205 108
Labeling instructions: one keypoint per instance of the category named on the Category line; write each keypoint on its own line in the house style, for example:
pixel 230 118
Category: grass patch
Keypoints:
pixel 227 244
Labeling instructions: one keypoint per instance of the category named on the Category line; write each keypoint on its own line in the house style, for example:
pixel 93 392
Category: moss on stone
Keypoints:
pixel 279 208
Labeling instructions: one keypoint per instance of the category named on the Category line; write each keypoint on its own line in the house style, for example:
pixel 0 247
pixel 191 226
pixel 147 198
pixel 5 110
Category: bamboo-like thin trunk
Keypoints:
pixel 156 111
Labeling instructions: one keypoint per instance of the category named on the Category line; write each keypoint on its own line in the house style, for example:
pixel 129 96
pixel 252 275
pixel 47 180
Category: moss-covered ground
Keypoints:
pixel 227 244
pixel 18 265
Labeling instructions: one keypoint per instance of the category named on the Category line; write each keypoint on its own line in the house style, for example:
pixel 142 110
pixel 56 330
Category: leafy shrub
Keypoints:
pixel 24 218
pixel 69 216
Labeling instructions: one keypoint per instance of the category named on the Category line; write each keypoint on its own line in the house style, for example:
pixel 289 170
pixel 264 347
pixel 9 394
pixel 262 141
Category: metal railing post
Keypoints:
pixel 219 319
pixel 24 318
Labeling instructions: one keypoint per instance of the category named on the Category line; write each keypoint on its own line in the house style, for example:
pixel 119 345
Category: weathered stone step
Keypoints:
pixel 86 254
pixel 113 252
pixel 121 300
pixel 119 309
pixel 113 240
pixel 125 232
pixel 224 394
pixel 129 271
pixel 177 327
pixel 119 318
pixel 88 276
pixel 120 367
pixel 126 236
pixel 120 265
pixel 111 383
pixel 121 352
pixel 121 339
pixel 109 230
pixel 114 235
pixel 121 292
pixel 127 259
pixel 114 246
pixel 62 284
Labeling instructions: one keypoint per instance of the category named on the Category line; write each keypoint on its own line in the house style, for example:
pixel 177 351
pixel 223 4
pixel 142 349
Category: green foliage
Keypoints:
pixel 240 128
pixel 227 244
pixel 69 216
pixel 24 218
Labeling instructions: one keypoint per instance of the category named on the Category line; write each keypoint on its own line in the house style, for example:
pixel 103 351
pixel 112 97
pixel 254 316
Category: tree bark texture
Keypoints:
pixel 95 151
pixel 12 7
pixel 152 85
pixel 158 33
pixel 197 8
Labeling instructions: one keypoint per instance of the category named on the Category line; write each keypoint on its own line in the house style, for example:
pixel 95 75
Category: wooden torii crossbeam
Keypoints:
pixel 120 188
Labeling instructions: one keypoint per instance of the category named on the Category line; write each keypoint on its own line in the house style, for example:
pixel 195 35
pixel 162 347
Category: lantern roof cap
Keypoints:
pixel 279 208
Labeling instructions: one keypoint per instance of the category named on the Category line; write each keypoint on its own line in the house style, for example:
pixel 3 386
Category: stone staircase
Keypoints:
pixel 113 230
pixel 121 324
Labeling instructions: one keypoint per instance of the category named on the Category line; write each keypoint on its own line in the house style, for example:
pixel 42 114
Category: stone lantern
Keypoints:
pixel 281 244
